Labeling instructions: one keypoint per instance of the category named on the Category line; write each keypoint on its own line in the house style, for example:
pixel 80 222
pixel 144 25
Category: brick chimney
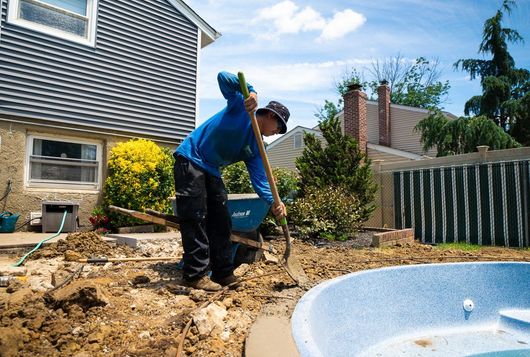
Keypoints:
pixel 383 94
pixel 355 114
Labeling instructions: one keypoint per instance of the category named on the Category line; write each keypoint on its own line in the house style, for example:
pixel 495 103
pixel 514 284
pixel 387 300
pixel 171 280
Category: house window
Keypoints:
pixel 73 20
pixel 298 141
pixel 59 162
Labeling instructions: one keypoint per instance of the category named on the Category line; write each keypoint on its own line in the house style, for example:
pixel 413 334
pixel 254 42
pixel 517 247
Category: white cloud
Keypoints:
pixel 287 18
pixel 342 23
pixel 305 82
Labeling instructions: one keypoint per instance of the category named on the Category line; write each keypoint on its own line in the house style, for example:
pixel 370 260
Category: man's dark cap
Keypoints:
pixel 281 112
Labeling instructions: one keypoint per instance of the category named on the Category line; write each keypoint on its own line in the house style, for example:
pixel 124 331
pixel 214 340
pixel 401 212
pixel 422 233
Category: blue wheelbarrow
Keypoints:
pixel 247 212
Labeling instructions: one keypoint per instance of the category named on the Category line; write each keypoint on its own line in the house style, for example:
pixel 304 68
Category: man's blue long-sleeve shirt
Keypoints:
pixel 226 138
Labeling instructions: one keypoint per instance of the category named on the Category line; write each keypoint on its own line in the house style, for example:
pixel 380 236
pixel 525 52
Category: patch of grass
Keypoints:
pixel 459 246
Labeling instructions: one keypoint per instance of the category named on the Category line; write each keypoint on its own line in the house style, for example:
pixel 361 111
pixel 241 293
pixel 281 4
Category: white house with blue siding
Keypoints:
pixel 78 76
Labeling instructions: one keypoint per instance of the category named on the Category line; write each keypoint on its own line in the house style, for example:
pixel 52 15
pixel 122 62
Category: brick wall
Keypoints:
pixel 355 115
pixel 385 239
pixel 383 93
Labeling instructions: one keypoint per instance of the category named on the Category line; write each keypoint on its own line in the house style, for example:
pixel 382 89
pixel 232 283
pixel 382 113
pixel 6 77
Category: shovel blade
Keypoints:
pixel 290 262
pixel 295 270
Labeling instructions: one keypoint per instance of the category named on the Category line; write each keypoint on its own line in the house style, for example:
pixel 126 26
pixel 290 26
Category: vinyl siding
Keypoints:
pixel 139 80
pixel 284 154
pixel 403 136
pixel 372 125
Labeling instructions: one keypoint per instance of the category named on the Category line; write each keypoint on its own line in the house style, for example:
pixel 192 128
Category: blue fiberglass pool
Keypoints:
pixel 460 309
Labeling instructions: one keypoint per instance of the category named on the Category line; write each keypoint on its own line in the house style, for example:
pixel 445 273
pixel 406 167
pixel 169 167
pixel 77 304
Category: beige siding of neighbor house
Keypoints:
pixel 403 136
pixel 386 157
pixel 283 154
pixel 372 123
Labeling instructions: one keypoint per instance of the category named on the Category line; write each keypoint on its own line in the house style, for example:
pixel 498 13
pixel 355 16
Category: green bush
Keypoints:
pixel 329 212
pixel 237 180
pixel 140 176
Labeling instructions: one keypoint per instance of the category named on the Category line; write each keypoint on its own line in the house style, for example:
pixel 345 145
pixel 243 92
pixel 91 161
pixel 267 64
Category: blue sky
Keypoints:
pixel 294 51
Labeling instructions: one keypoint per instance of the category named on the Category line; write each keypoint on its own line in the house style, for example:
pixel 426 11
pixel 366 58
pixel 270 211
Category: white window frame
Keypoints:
pixel 32 183
pixel 301 141
pixel 13 16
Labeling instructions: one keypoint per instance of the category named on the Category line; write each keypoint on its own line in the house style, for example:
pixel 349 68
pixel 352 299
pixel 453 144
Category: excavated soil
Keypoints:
pixel 141 308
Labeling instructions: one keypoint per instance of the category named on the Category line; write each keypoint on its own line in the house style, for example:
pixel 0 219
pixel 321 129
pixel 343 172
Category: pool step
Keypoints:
pixel 517 319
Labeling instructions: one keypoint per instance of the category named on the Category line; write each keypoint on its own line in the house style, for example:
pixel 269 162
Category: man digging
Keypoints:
pixel 225 138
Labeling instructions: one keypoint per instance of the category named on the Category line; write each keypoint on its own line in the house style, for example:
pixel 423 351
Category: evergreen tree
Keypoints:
pixel 503 85
pixel 338 162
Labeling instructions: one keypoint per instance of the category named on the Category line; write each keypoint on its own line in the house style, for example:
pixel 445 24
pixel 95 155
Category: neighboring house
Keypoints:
pixel 283 151
pixel 384 130
pixel 78 76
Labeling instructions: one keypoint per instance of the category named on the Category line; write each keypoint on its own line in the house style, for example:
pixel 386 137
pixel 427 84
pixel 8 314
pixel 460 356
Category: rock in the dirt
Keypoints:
pixel 72 256
pixel 241 270
pixel 210 320
pixel 225 335
pixel 13 271
pixel 59 276
pixel 141 279
pixel 86 294
pixel 198 295
pixel 269 258
pixel 144 335
pixel 178 289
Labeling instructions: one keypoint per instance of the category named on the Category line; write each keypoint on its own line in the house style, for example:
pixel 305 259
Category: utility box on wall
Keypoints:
pixel 52 216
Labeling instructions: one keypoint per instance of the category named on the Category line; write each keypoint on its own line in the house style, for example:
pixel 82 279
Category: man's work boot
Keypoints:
pixel 204 283
pixel 227 280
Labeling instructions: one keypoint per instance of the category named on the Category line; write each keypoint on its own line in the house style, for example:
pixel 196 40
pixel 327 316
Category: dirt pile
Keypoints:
pixel 140 308
pixel 86 244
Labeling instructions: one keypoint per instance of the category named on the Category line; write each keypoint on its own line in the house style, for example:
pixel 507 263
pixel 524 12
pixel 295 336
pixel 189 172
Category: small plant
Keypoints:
pixel 99 220
pixel 330 212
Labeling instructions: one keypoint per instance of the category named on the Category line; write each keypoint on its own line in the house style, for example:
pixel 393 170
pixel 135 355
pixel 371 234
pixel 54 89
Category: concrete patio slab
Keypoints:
pixel 132 239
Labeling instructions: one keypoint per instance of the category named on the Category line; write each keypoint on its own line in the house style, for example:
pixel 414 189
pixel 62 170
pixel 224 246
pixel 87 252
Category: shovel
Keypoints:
pixel 291 264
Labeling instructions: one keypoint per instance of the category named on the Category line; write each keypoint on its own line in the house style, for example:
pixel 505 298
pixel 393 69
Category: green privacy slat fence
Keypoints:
pixel 486 204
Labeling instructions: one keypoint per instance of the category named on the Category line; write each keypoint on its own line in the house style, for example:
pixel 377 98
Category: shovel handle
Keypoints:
pixel 261 146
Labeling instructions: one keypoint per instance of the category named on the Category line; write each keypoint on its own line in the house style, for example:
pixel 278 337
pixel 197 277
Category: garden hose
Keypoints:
pixel 41 242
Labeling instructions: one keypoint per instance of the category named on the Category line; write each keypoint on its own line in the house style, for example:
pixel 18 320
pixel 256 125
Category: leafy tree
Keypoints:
pixel 339 162
pixel 414 85
pixel 462 135
pixel 503 85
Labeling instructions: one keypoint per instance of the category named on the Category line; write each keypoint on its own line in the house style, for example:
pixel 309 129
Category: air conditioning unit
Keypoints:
pixel 52 216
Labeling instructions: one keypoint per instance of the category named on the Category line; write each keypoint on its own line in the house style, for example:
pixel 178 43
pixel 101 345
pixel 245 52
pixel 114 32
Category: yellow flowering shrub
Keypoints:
pixel 140 176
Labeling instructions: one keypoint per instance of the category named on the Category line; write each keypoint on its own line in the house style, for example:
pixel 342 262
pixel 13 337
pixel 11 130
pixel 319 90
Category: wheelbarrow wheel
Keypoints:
pixel 245 254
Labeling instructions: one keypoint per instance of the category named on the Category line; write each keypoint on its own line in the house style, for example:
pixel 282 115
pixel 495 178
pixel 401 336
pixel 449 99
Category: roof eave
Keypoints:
pixel 208 33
